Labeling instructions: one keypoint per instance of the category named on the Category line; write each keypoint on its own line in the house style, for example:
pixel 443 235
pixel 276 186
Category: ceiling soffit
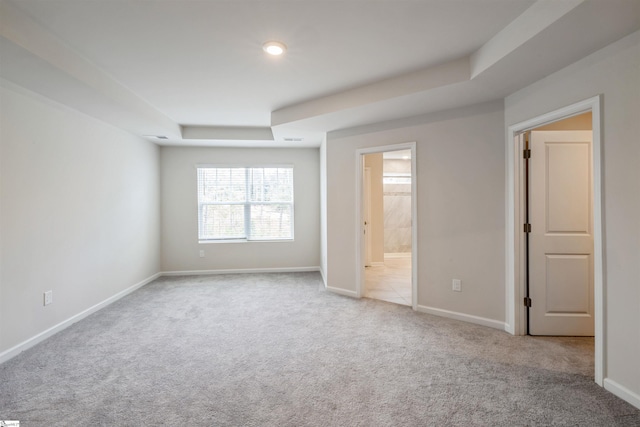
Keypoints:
pixel 71 79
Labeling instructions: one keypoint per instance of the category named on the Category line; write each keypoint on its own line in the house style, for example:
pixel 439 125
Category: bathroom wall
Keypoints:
pixel 374 162
pixel 397 206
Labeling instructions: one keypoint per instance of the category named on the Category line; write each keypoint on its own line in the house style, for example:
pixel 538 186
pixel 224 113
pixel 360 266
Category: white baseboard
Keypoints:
pixel 509 329
pixel 240 270
pixel 345 292
pixel 622 392
pixel 496 324
pixel 324 278
pixel 25 345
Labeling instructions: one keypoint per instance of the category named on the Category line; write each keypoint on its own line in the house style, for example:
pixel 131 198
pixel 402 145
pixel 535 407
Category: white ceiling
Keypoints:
pixel 195 70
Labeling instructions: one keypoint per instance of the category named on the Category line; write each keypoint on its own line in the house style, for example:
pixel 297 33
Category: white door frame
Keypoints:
pixel 366 205
pixel 515 285
pixel 360 252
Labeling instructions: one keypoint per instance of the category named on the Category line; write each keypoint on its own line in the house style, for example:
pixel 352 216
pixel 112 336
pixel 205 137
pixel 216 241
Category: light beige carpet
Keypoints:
pixel 277 350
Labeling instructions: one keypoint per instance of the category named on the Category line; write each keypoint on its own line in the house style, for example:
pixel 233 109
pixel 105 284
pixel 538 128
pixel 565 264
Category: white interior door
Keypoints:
pixel 561 239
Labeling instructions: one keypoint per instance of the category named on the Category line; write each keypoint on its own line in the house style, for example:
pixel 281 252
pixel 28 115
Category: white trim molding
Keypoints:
pixel 515 313
pixel 344 292
pixel 241 271
pixel 622 392
pixel 27 344
pixel 324 277
pixel 495 324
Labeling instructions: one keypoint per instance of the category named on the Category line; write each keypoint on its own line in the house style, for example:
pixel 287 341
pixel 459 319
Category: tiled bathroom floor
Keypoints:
pixel 391 282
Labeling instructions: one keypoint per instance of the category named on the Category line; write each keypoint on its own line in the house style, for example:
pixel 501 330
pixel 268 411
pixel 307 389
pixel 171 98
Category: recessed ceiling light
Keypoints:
pixel 274 48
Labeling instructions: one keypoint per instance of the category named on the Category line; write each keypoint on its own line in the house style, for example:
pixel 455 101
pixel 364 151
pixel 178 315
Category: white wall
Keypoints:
pixel 79 214
pixel 180 247
pixel 460 193
pixel 615 72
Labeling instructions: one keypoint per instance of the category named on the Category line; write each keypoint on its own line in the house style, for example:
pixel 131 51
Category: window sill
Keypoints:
pixel 205 242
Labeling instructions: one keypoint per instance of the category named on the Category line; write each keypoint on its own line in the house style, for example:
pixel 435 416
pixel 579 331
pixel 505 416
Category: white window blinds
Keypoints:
pixel 245 203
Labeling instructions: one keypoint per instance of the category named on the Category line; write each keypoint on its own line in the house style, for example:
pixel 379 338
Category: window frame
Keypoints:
pixel 247 204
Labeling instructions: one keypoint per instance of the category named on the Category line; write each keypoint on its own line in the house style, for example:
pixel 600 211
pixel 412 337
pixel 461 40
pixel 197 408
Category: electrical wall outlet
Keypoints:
pixel 456 285
pixel 48 297
pixel 201 253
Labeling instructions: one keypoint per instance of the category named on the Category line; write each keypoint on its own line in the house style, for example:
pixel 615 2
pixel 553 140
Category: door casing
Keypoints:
pixel 360 241
pixel 515 253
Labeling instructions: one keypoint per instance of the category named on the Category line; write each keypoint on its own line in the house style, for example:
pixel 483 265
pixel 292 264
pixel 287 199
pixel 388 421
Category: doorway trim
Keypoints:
pixel 360 153
pixel 515 284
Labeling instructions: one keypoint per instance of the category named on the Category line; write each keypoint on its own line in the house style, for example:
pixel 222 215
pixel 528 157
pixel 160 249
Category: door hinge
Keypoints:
pixel 527 228
pixel 527 302
pixel 526 154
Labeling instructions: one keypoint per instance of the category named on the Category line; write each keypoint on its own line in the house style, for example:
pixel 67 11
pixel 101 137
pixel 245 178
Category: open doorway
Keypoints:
pixel 387 243
pixel 565 256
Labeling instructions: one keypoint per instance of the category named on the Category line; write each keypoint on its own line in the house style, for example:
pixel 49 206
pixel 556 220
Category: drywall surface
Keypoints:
pixel 460 194
pixel 613 72
pixel 79 214
pixel 180 246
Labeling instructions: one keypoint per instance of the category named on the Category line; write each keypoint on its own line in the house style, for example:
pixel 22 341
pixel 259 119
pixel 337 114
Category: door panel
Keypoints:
pixel 568 284
pixel 561 238
pixel 568 187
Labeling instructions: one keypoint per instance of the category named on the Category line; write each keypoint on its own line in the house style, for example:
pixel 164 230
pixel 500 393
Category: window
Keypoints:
pixel 240 203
